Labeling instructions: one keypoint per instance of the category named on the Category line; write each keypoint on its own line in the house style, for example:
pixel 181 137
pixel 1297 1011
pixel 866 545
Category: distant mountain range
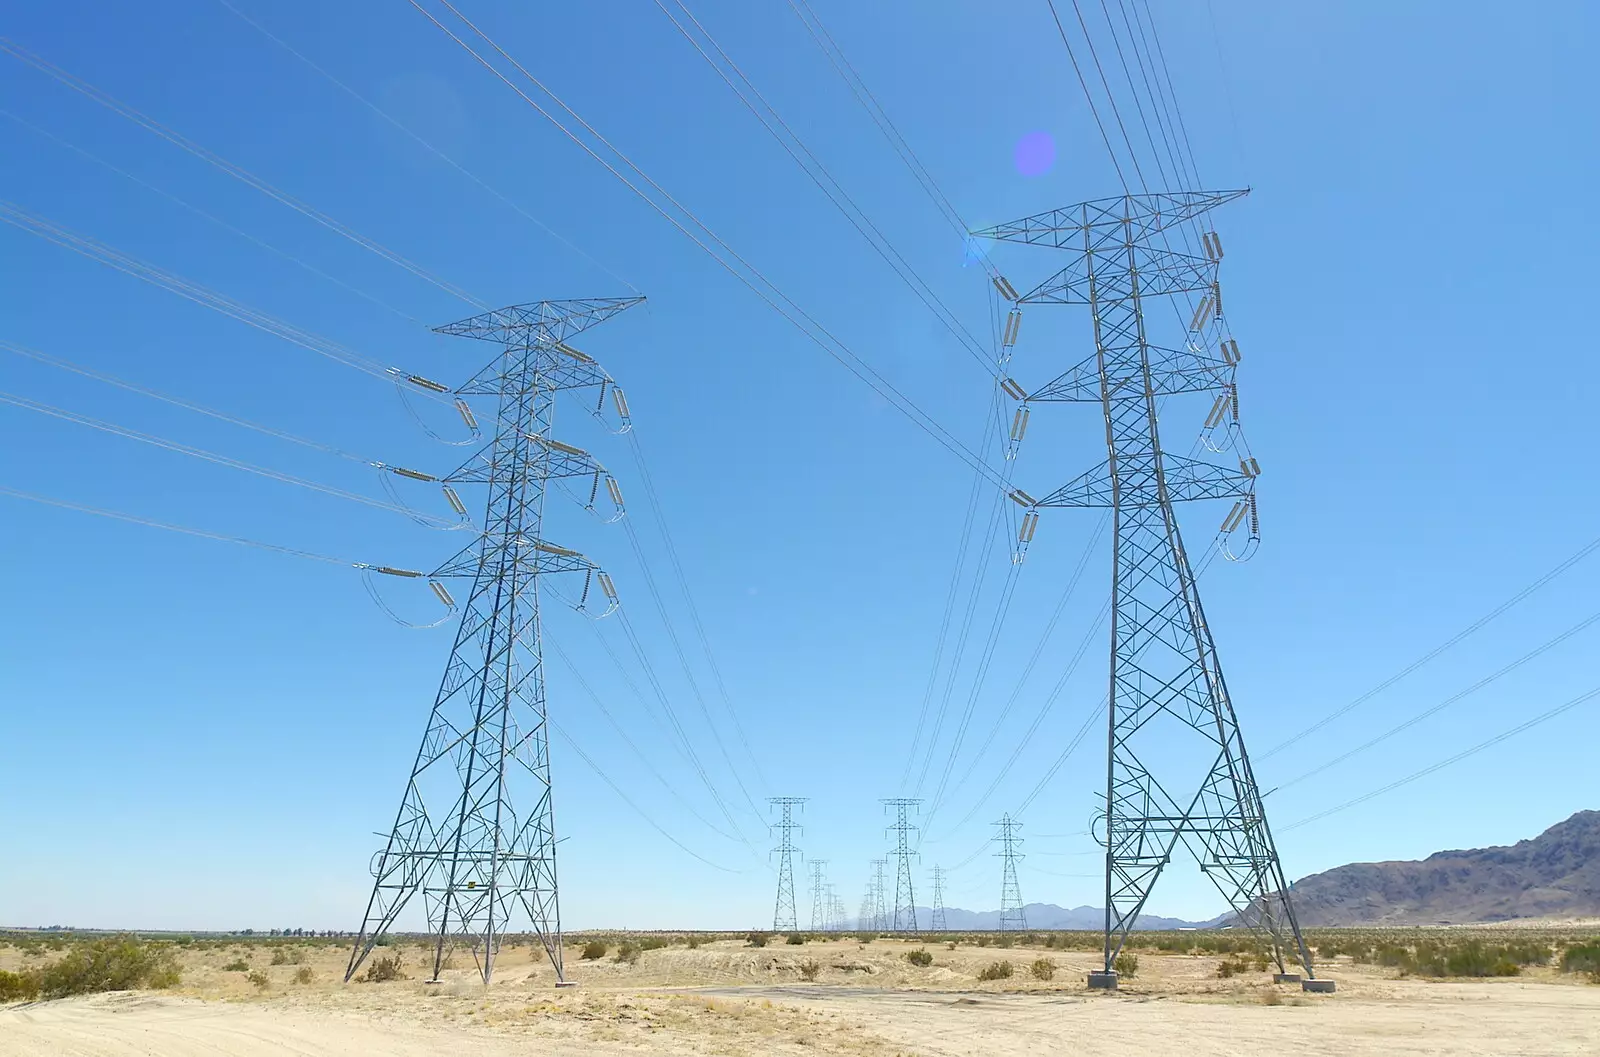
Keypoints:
pixel 1044 916
pixel 1556 874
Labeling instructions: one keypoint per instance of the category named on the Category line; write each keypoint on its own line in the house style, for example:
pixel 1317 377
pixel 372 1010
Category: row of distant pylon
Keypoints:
pixel 877 913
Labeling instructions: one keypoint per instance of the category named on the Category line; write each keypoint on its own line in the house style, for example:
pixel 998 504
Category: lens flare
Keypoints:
pixel 1034 154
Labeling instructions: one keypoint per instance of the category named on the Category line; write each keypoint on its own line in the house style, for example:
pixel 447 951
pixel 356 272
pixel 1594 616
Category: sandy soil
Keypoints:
pixel 730 999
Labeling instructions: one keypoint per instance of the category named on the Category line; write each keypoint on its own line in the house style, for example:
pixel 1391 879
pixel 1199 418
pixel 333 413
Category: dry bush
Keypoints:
pixel 19 987
pixel 810 968
pixel 1270 997
pixel 1229 967
pixel 796 939
pixel 757 939
pixel 997 971
pixel 383 969
pixel 920 958
pixel 594 950
pixel 304 975
pixel 238 965
pixel 119 963
pixel 1126 965
pixel 260 979
pixel 628 954
pixel 1043 969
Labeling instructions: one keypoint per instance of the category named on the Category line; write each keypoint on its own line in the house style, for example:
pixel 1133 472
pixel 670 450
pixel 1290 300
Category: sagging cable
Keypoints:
pixel 439 591
pixel 385 471
pixel 400 388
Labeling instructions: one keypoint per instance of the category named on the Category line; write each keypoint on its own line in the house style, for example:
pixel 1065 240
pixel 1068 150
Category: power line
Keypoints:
pixel 425 144
pixel 1543 717
pixel 1446 703
pixel 803 156
pixel 1477 625
pixel 212 218
pixel 745 272
pixel 93 249
pixel 238 172
pixel 135 519
pixel 213 457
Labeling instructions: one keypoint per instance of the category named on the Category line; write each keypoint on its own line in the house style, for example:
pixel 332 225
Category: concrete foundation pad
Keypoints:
pixel 1103 981
pixel 1321 987
pixel 1287 978
pixel 566 983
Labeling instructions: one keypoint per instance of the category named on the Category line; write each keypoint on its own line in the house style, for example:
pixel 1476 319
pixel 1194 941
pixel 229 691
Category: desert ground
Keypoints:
pixel 726 997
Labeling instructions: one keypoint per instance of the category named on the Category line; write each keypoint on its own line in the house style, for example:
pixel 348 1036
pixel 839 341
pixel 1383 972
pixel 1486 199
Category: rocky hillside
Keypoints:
pixel 1556 874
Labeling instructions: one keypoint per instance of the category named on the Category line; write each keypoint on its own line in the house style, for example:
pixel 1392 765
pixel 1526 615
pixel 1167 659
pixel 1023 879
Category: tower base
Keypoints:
pixel 1287 978
pixel 1106 981
pixel 1320 987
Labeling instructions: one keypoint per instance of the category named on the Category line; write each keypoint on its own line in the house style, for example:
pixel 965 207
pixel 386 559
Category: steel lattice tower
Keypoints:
pixel 819 909
pixel 938 923
pixel 905 901
pixel 1165 676
pixel 784 915
pixel 475 833
pixel 1012 916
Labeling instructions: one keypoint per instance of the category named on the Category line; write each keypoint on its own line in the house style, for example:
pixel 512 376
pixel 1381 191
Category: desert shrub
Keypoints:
pixel 1582 958
pixel 120 963
pixel 627 954
pixel 594 950
pixel 652 943
pixel 259 978
pixel 997 971
pixel 238 965
pixel 304 975
pixel 950 946
pixel 983 941
pixel 693 942
pixel 1004 940
pixel 809 969
pixel 795 939
pixel 920 958
pixel 19 987
pixel 866 937
pixel 1231 966
pixel 1031 940
pixel 1126 965
pixel 757 939
pixel 280 956
pixel 1043 969
pixel 383 969
pixel 1270 997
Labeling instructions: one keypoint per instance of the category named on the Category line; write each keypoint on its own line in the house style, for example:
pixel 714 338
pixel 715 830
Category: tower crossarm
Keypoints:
pixel 1172 371
pixel 1181 478
pixel 551 458
pixel 1160 271
pixel 1143 215
pixel 538 557
pixel 548 321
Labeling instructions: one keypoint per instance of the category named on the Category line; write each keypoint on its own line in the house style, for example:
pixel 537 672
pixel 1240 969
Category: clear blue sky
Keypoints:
pixel 202 735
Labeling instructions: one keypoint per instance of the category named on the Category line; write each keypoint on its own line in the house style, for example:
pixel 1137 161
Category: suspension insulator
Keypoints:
pixel 1235 516
pixel 1021 498
pixel 1200 313
pixel 415 475
pixel 620 401
pixel 615 490
pixel 387 571
pixel 1249 467
pixel 443 594
pixel 427 383
pixel 1010 387
pixel 563 347
pixel 1030 525
pixel 455 502
pixel 1007 291
pixel 1019 424
pixel 1216 297
pixel 1230 352
pixel 1218 410
pixel 1013 325
pixel 607 586
pixel 466 414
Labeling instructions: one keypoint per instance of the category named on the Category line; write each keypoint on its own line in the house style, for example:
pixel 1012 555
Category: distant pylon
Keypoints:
pixel 784 916
pixel 475 832
pixel 1177 769
pixel 880 905
pixel 1012 916
pixel 819 907
pixel 905 902
pixel 938 923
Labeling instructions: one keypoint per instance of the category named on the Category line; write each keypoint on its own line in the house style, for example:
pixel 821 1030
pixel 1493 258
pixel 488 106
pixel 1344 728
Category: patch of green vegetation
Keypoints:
pixel 1126 965
pixel 594 950
pixel 997 971
pixel 920 958
pixel 1042 969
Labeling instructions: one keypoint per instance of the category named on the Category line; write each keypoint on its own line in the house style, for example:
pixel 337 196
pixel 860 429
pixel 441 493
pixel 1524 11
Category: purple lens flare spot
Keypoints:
pixel 1034 154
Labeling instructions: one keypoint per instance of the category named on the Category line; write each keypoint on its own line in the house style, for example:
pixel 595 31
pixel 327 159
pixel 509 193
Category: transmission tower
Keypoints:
pixel 1165 676
pixel 1012 917
pixel 784 917
pixel 819 908
pixel 475 832
pixel 905 904
pixel 938 924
